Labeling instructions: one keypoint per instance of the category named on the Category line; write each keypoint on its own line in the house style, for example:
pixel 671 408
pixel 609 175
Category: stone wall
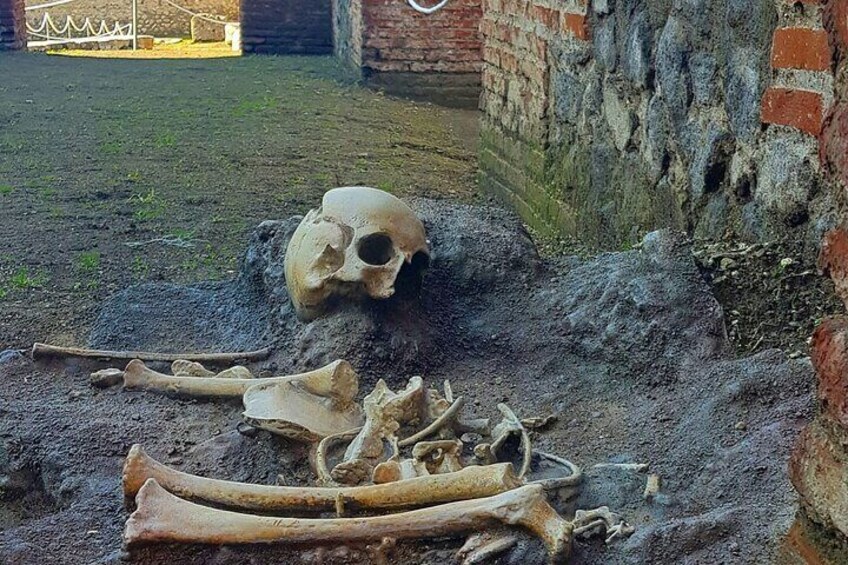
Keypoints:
pixel 12 29
pixel 607 119
pixel 431 56
pixel 155 17
pixel 303 27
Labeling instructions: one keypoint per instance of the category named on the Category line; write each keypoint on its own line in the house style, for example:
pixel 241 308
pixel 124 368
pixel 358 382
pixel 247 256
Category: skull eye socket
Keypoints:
pixel 375 249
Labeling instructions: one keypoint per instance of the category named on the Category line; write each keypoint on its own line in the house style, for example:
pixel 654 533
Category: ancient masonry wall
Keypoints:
pixel 607 119
pixel 303 27
pixel 12 29
pixel 436 56
pixel 819 465
pixel 155 17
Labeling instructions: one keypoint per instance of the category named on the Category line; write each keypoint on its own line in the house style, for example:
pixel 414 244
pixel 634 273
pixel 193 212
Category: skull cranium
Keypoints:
pixel 354 245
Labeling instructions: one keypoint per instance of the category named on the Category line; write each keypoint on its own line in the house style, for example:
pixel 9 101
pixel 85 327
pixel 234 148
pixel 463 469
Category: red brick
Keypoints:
pixel 800 48
pixel 829 354
pixel 801 109
pixel 836 22
pixel 575 24
pixel 833 260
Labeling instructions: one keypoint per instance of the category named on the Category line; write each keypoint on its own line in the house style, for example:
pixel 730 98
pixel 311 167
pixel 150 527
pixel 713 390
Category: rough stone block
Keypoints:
pixel 207 27
pixel 145 42
pixel 818 470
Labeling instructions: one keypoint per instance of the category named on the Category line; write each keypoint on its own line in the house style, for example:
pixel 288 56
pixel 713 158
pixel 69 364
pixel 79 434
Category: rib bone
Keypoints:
pixel 163 517
pixel 336 380
pixel 472 482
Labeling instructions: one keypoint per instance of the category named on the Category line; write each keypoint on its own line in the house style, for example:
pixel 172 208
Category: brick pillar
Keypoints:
pixel 12 25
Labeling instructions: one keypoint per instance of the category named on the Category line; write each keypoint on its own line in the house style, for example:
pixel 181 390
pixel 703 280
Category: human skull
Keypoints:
pixel 355 245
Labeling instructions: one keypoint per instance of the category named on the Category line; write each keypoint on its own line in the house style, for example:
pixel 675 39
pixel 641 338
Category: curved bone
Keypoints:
pixel 321 468
pixel 44 350
pixel 336 380
pixel 286 409
pixel 591 522
pixel 574 478
pixel 472 482
pixel 163 517
pixel 437 424
pixel 511 425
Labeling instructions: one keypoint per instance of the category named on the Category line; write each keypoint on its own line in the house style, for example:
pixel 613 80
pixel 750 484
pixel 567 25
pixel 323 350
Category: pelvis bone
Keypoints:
pixel 354 245
pixel 304 407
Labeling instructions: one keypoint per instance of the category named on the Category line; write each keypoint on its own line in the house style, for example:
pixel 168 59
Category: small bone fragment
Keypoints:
pixel 478 426
pixel 442 421
pixel 40 350
pixel 336 380
pixel 483 547
pixel 511 425
pixel 652 487
pixel 163 517
pixel 183 368
pixel 483 453
pixel 638 467
pixel 437 457
pixel 107 378
pixel 471 482
pixel 591 522
pixel 538 422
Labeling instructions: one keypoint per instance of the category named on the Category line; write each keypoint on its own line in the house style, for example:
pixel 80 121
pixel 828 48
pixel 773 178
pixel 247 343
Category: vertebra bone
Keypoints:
pixel 471 482
pixel 163 517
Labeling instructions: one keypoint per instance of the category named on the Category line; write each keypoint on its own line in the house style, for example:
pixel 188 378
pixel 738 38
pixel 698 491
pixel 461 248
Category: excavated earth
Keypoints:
pixel 628 350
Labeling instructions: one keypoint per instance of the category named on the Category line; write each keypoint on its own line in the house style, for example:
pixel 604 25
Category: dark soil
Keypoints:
pixel 629 350
pixel 773 294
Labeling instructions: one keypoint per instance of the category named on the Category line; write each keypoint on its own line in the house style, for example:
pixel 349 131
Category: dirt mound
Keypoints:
pixel 629 350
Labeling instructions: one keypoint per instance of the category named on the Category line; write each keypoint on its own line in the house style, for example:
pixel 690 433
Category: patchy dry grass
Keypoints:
pixel 96 154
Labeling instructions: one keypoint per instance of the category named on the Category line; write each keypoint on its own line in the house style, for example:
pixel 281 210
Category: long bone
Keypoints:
pixel 163 517
pixel 337 380
pixel 471 482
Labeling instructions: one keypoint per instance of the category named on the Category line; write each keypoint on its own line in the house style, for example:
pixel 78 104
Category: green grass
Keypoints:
pixel 148 206
pixel 23 280
pixel 88 262
pixel 6 189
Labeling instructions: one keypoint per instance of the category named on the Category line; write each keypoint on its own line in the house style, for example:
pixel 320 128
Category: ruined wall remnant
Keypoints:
pixel 12 29
pixel 302 27
pixel 604 119
pixel 155 17
pixel 432 56
pixel 819 465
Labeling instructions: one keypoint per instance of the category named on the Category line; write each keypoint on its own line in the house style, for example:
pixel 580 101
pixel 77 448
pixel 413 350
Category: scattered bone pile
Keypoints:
pixel 408 460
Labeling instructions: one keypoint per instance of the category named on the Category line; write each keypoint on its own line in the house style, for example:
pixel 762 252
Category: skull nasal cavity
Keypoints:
pixel 376 249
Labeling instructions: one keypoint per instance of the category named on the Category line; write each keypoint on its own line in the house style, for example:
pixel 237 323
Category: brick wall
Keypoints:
pixel 606 119
pixel 303 27
pixel 432 56
pixel 155 17
pixel 12 30
pixel 819 464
